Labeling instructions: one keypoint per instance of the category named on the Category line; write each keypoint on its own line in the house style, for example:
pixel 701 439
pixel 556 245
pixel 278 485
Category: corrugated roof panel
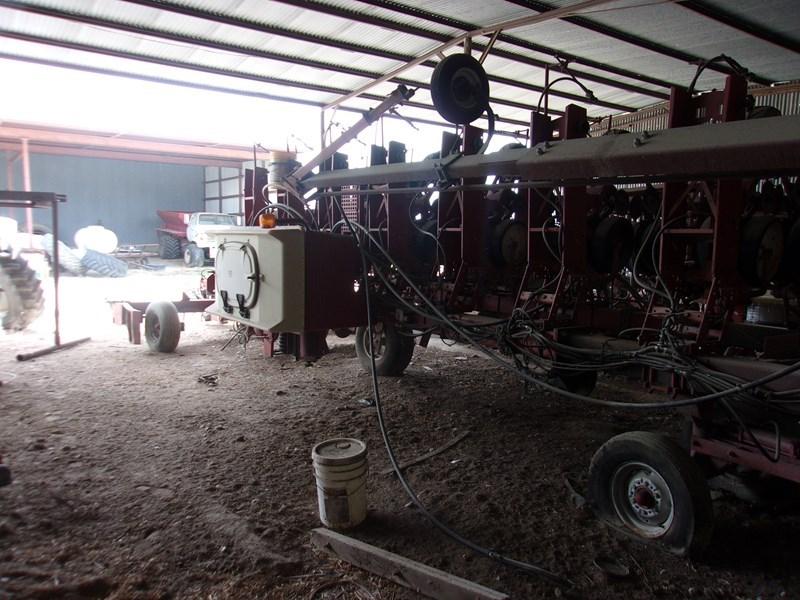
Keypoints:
pixel 677 26
pixel 153 70
pixel 30 23
pixel 781 16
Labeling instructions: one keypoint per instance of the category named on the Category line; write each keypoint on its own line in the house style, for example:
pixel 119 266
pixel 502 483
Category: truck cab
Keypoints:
pixel 202 246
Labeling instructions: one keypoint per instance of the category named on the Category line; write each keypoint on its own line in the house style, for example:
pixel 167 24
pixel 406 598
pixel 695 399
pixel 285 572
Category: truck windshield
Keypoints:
pixel 216 220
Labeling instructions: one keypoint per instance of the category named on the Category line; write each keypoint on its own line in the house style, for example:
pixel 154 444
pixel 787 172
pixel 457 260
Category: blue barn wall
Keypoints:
pixel 121 195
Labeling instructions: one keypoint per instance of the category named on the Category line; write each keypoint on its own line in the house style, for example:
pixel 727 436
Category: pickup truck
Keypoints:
pixel 183 234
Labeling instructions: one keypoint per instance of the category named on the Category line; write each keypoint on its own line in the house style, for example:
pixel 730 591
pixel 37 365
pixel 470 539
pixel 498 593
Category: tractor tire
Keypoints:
pixel 104 264
pixel 68 259
pixel 22 299
pixel 168 246
pixel 647 486
pixel 193 256
pixel 162 327
pixel 394 350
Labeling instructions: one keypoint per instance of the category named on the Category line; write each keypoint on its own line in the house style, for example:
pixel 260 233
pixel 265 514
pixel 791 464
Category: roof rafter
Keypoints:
pixel 209 87
pixel 635 40
pixel 258 26
pixel 208 69
pixel 352 15
pixel 722 16
pixel 415 11
pixel 258 53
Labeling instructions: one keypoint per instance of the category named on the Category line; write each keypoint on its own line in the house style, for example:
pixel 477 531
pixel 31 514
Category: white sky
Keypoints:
pixel 59 97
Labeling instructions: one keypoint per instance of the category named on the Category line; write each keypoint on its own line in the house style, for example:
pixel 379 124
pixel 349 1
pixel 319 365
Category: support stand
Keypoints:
pixel 31 200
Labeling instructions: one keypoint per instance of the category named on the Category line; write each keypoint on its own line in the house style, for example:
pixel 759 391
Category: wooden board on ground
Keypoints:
pixel 409 573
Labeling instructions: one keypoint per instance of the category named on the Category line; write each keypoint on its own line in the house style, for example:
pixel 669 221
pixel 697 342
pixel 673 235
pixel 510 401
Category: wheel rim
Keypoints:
pixel 642 499
pixel 378 341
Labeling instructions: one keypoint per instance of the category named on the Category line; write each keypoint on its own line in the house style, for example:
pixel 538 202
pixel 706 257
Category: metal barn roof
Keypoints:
pixel 627 52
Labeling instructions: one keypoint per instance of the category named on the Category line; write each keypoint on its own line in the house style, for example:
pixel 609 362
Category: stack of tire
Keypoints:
pixel 85 261
pixel 21 297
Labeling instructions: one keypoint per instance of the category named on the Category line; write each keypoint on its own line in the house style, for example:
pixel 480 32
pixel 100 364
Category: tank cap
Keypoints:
pixel 339 451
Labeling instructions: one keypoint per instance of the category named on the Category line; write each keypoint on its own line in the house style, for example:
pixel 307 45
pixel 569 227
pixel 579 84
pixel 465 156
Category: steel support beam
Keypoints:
pixel 415 11
pixel 634 40
pixel 444 39
pixel 266 54
pixel 735 149
pixel 318 40
pixel 720 15
pixel 210 88
pixel 212 70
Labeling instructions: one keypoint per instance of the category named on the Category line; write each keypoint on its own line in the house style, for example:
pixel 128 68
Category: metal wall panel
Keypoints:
pixel 120 195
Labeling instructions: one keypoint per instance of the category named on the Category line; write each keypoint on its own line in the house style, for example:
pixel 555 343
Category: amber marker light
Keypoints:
pixel 267 221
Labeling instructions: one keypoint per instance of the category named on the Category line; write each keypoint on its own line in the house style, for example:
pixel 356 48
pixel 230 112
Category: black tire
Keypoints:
pixel 460 89
pixel 394 350
pixel 104 264
pixel 168 246
pixel 68 260
pixel 22 299
pixel 162 327
pixel 193 256
pixel 647 486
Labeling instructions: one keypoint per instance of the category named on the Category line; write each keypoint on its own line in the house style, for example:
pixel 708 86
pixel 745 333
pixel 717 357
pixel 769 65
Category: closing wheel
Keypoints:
pixel 392 350
pixel 162 327
pixel 648 486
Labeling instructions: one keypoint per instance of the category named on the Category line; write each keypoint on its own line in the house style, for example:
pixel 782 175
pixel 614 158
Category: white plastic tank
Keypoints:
pixel 340 469
pixel 97 238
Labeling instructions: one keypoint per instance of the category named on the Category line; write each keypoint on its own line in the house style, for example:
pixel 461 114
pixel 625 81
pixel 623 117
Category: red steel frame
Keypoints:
pixel 462 218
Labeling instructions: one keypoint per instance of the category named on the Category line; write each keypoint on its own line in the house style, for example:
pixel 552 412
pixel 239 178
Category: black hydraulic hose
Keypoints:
pixel 735 389
pixel 444 528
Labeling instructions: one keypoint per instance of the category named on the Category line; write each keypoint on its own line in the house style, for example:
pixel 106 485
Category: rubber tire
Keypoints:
pixel 169 246
pixel 193 256
pixel 104 264
pixel 162 327
pixel 693 520
pixel 23 293
pixel 396 356
pixel 466 72
pixel 68 260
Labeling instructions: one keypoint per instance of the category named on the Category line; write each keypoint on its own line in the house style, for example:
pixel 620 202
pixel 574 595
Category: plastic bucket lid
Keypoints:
pixel 339 451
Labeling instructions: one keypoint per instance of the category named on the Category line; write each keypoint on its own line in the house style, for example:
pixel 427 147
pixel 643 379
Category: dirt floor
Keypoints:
pixel 135 480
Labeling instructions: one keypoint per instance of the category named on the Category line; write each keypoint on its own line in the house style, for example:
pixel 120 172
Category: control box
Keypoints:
pixel 287 279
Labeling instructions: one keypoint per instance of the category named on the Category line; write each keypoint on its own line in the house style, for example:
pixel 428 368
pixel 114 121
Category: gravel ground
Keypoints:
pixel 135 480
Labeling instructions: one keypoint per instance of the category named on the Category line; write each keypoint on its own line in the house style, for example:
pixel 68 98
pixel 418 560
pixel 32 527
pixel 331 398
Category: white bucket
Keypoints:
pixel 340 468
